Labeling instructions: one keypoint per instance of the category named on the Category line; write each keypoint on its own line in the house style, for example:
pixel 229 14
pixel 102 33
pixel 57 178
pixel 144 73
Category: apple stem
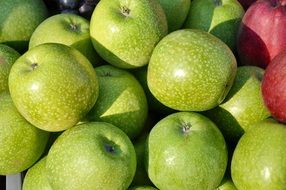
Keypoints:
pixel 217 3
pixel 125 10
pixel 186 128
pixel 34 66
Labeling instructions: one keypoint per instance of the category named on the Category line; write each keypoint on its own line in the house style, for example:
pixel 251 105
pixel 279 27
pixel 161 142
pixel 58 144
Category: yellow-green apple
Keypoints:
pixel 142 188
pixel 124 33
pixel 36 177
pixel 21 143
pixel 261 34
pixel 7 58
pixel 273 87
pixel 191 70
pixel 68 29
pixel 94 155
pixel 186 150
pixel 218 17
pixel 259 159
pixel 226 184
pixel 53 86
pixel 121 101
pixel 243 105
pixel 176 12
pixel 18 20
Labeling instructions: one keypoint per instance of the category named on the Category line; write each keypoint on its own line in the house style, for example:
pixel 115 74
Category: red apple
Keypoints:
pixel 262 32
pixel 274 87
pixel 246 3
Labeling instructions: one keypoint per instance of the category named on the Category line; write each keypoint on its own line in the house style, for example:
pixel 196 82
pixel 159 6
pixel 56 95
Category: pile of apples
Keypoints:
pixel 143 94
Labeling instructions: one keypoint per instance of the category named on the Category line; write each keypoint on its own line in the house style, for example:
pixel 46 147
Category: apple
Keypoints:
pixel 246 3
pixel 261 34
pixel 186 150
pixel 221 18
pixel 226 184
pixel 124 33
pixel 94 155
pixel 191 70
pixel 259 160
pixel 18 20
pixel 243 105
pixel 273 87
pixel 21 143
pixel 141 177
pixel 142 188
pixel 153 104
pixel 176 12
pixel 121 101
pixel 7 58
pixel 53 86
pixel 36 177
pixel 68 29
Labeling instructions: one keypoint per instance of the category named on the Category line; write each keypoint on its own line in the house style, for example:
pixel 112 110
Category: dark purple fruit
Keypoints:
pixel 68 4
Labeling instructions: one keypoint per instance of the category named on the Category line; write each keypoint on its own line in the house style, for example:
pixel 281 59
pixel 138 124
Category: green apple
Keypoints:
pixel 36 177
pixel 53 86
pixel 68 29
pixel 243 105
pixel 18 20
pixel 259 159
pixel 21 143
pixel 121 101
pixel 191 70
pixel 176 12
pixel 226 184
pixel 124 33
pixel 221 18
pixel 185 150
pixel 142 188
pixel 7 58
pixel 141 177
pixel 153 104
pixel 94 155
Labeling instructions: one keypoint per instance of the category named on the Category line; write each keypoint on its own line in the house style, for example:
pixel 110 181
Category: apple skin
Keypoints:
pixel 243 105
pixel 94 155
pixel 273 87
pixel 68 29
pixel 198 68
pixel 53 86
pixel 18 20
pixel 176 12
pixel 221 18
pixel 185 150
pixel 36 177
pixel 142 188
pixel 121 101
pixel 259 159
pixel 262 33
pixel 226 184
pixel 21 143
pixel 124 33
pixel 7 58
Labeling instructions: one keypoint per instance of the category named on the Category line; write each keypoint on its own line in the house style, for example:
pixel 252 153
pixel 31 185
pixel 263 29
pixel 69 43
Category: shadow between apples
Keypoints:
pixel 108 56
pixel 228 31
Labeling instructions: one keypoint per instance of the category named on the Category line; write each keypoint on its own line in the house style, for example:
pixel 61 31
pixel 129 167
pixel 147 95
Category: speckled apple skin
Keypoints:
pixel 191 70
pixel 127 41
pixel 121 101
pixel 7 58
pixel 193 160
pixel 79 160
pixel 36 177
pixel 259 160
pixel 21 143
pixel 58 92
